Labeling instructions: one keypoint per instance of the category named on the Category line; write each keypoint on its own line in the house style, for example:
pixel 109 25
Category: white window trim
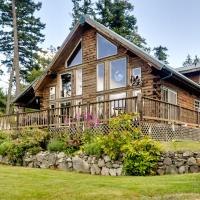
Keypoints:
pixel 198 109
pixel 51 99
pixel 66 66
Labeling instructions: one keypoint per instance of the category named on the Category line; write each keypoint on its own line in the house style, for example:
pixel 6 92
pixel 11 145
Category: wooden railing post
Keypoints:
pixel 17 120
pixel 48 118
pixel 140 106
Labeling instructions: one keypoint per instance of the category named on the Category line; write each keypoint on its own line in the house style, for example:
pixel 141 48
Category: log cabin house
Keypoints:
pixel 97 67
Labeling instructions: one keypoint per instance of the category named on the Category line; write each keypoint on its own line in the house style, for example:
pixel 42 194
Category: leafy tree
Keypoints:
pixel 196 60
pixel 188 61
pixel 160 53
pixel 81 7
pixel 118 16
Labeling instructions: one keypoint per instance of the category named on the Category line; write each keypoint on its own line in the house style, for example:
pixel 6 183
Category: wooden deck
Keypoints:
pixel 95 113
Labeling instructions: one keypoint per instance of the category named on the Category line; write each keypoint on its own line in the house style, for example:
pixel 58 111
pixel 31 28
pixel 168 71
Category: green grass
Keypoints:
pixel 181 146
pixel 17 183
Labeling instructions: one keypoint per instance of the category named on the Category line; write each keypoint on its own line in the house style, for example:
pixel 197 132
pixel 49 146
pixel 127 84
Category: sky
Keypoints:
pixel 170 23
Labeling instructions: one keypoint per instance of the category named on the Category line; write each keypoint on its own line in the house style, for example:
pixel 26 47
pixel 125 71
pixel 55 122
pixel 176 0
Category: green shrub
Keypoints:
pixel 5 147
pixel 56 145
pixel 141 157
pixel 93 148
pixel 34 150
pixel 122 132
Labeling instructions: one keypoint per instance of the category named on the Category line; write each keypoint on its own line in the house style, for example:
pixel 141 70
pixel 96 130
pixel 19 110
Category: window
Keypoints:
pixel 169 96
pixel 117 106
pixel 66 85
pixel 52 93
pixel 197 105
pixel 100 107
pixel 136 92
pixel 118 73
pixel 76 57
pixel 79 82
pixel 104 47
pixel 100 77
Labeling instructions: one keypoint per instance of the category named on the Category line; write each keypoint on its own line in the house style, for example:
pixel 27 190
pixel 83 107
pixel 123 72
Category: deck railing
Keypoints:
pixel 94 113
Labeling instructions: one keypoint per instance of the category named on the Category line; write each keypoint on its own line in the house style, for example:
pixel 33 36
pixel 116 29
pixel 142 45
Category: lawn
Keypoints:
pixel 17 183
pixel 181 146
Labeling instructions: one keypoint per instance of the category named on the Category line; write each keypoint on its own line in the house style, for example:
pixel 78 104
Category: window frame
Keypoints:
pixel 197 109
pixel 172 91
pixel 61 88
pixel 97 47
pixel 66 65
pixel 104 76
pixel 51 87
pixel 77 82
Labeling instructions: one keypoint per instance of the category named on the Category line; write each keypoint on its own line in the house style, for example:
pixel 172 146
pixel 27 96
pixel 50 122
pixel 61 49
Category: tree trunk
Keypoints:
pixel 9 92
pixel 16 50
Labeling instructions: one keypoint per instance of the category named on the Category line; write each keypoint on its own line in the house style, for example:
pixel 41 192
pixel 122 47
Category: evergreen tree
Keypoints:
pixel 29 33
pixel 160 53
pixel 118 16
pixel 196 60
pixel 81 7
pixel 2 101
pixel 188 61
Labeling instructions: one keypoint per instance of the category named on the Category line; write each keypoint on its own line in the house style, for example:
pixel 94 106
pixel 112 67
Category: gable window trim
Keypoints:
pixel 97 47
pixel 52 93
pixel 66 62
pixel 197 105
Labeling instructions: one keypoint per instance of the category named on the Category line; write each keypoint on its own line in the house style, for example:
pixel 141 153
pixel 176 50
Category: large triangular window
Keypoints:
pixel 76 56
pixel 105 48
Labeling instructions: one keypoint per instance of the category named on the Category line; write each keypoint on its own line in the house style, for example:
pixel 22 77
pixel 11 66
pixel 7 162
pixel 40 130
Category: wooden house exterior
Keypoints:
pixel 95 64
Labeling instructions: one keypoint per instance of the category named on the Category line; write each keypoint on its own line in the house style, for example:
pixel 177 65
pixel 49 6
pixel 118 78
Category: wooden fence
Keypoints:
pixel 94 113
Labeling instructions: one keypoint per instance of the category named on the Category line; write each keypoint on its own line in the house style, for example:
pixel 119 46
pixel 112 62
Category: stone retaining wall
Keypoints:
pixel 170 163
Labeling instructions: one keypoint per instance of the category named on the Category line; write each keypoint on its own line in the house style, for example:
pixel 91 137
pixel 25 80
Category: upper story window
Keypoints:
pixel 105 48
pixel 118 73
pixel 66 85
pixel 79 82
pixel 76 57
pixel 197 105
pixel 100 77
pixel 52 93
pixel 169 96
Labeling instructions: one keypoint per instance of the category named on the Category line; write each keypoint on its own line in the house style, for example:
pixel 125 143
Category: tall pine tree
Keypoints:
pixel 81 7
pixel 29 34
pixel 118 16
pixel 188 61
pixel 196 60
pixel 160 53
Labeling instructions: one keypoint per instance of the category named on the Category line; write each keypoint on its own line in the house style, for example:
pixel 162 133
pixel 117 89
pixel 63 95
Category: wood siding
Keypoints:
pixel 151 81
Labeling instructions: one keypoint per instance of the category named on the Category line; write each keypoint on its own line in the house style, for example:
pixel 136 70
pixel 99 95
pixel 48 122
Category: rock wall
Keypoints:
pixel 169 163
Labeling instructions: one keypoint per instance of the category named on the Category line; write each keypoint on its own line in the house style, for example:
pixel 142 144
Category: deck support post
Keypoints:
pixel 140 106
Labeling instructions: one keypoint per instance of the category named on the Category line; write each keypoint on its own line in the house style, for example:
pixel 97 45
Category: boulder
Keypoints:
pixel 171 169
pixel 181 169
pixel 191 161
pixel 95 169
pixel 161 171
pixel 187 154
pixel 101 163
pixel 113 172
pixel 194 169
pixel 105 171
pixel 80 165
pixel 107 158
pixel 167 161
pixel 119 171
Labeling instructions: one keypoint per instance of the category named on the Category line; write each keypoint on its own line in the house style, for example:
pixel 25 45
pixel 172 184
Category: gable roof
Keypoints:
pixel 189 69
pixel 124 42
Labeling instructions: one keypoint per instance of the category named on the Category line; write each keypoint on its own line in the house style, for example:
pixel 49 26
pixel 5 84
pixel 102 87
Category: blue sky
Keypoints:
pixel 171 23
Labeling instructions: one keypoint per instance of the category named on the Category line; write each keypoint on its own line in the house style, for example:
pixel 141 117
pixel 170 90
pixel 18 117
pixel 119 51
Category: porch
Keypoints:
pixel 96 113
